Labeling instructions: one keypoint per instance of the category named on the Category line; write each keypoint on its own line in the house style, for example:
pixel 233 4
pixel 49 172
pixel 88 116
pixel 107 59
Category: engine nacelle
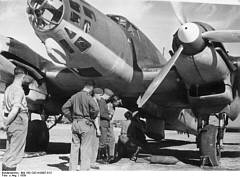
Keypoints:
pixel 211 98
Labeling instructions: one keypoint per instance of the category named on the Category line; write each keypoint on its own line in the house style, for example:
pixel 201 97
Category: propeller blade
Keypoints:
pixel 178 10
pixel 228 36
pixel 159 78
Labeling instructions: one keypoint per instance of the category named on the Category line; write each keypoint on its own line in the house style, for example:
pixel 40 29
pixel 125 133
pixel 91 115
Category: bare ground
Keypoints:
pixel 176 145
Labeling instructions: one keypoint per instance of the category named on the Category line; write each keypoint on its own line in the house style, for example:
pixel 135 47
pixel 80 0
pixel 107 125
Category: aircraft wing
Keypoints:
pixel 14 53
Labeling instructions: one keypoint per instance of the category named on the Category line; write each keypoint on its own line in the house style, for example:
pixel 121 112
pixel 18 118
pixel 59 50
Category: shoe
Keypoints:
pixel 95 167
pixel 134 158
pixel 111 159
pixel 102 161
pixel 5 168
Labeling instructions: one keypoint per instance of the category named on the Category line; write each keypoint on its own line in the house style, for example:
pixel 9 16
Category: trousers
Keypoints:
pixel 82 135
pixel 107 138
pixel 95 146
pixel 16 139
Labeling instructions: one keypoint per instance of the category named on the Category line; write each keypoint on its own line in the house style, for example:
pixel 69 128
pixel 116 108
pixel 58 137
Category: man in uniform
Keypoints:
pixel 132 137
pixel 97 93
pixel 15 121
pixel 107 141
pixel 82 110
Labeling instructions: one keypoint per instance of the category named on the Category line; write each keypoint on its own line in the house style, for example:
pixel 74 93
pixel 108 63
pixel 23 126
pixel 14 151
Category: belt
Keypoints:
pixel 75 117
pixel 125 134
pixel 88 121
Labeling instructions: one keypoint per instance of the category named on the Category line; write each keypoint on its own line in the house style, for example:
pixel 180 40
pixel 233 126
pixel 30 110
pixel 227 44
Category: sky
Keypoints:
pixel 154 18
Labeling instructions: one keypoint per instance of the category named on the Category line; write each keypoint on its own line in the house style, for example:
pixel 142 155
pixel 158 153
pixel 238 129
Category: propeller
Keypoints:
pixel 189 34
pixel 178 10
pixel 164 71
pixel 159 78
pixel 228 36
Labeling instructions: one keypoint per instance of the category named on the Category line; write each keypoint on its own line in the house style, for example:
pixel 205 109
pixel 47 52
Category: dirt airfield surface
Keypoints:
pixel 176 145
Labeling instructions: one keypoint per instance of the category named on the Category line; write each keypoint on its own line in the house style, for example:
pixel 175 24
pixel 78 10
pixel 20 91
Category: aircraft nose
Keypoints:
pixel 188 33
pixel 45 14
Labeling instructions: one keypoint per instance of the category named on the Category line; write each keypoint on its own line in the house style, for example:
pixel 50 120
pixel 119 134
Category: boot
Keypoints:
pixel 100 157
pixel 103 155
pixel 135 154
pixel 106 154
pixel 111 159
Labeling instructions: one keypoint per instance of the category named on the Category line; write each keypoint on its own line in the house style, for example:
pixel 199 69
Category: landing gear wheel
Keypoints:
pixel 37 137
pixel 209 147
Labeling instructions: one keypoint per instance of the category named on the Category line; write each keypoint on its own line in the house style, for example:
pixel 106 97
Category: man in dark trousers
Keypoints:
pixel 132 138
pixel 106 141
pixel 15 121
pixel 82 110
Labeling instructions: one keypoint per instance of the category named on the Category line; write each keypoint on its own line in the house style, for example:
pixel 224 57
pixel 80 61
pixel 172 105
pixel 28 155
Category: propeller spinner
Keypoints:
pixel 190 39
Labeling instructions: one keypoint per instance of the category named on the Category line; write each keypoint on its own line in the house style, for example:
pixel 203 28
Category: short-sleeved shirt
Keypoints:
pixel 14 96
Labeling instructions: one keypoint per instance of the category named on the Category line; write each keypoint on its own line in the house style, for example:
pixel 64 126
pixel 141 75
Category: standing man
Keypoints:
pixel 107 141
pixel 82 109
pixel 15 121
pixel 97 93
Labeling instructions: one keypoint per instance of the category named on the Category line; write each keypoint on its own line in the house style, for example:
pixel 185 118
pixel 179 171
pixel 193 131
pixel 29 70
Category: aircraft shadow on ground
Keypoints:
pixel 62 166
pixel 191 157
pixel 59 148
pixel 230 154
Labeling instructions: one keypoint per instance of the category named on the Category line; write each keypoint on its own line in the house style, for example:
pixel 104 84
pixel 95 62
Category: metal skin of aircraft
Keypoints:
pixel 200 80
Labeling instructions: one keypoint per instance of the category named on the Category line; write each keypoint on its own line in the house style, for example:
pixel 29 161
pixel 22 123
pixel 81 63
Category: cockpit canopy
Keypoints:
pixel 45 14
pixel 122 21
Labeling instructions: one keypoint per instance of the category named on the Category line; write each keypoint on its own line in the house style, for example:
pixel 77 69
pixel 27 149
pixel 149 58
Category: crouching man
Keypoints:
pixel 132 138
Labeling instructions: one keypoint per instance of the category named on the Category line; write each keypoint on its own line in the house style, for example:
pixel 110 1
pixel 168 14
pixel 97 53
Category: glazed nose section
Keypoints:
pixel 45 15
pixel 35 3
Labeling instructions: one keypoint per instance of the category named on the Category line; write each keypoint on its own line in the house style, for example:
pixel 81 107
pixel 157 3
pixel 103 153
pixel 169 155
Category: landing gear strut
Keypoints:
pixel 209 146
pixel 210 140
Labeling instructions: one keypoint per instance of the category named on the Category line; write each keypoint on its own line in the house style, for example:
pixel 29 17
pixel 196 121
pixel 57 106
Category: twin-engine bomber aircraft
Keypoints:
pixel 200 79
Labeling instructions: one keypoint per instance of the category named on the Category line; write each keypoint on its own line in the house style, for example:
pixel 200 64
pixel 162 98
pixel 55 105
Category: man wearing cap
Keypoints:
pixel 97 93
pixel 107 141
pixel 15 121
pixel 82 110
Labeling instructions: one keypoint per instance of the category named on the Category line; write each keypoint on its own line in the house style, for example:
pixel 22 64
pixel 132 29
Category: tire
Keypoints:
pixel 208 145
pixel 37 137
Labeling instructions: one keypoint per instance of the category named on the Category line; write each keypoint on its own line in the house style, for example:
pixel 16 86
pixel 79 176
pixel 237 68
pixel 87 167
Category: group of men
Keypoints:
pixel 91 112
